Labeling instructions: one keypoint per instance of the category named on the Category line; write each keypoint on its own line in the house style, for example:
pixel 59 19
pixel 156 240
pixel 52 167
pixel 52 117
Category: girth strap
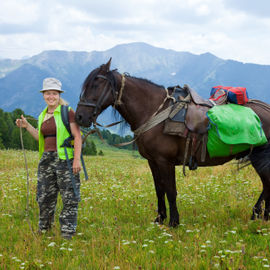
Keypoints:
pixel 163 115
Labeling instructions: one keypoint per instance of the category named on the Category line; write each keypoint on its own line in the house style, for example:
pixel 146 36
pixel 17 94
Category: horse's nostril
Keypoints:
pixel 78 118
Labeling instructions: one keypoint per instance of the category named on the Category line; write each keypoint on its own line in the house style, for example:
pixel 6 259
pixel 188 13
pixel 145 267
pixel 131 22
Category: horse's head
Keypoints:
pixel 98 92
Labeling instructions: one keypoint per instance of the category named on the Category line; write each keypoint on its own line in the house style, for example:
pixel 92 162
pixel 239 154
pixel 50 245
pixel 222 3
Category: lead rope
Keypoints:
pixel 27 183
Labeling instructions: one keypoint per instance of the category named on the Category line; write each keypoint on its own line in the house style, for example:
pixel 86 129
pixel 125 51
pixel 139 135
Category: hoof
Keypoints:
pixel 174 224
pixel 256 213
pixel 159 219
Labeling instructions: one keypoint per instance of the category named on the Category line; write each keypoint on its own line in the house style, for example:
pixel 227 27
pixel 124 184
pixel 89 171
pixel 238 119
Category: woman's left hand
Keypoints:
pixel 76 166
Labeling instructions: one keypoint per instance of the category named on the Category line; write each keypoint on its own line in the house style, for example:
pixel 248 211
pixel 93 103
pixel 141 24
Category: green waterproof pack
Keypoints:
pixel 233 129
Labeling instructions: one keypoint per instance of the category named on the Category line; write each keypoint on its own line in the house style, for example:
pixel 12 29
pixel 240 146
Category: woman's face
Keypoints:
pixel 51 97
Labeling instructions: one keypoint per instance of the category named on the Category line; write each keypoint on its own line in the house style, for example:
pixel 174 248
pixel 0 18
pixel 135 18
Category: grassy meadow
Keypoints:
pixel 116 213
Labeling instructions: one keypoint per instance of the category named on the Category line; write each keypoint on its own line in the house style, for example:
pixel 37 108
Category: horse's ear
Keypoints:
pixel 108 65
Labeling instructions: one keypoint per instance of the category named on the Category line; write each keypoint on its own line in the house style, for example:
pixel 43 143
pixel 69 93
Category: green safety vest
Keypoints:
pixel 61 134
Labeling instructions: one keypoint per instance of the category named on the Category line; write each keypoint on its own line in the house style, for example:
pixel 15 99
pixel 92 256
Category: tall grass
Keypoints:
pixel 115 224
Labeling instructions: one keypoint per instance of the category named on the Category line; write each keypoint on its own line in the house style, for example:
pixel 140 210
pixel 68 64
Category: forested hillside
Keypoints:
pixel 10 135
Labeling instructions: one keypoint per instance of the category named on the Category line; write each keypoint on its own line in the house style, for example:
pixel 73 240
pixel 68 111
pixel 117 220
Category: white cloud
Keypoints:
pixel 18 12
pixel 222 27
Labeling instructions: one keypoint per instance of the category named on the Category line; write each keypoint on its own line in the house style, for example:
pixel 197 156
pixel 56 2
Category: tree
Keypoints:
pixel 90 148
pixel 15 139
pixel 1 142
pixel 4 129
pixel 10 133
pixel 100 153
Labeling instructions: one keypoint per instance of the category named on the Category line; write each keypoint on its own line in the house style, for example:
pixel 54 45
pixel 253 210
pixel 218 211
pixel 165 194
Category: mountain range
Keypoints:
pixel 21 80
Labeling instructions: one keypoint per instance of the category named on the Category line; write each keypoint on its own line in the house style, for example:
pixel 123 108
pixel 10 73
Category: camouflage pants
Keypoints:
pixel 54 177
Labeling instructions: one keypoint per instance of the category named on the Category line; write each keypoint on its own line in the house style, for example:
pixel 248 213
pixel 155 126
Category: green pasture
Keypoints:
pixel 116 213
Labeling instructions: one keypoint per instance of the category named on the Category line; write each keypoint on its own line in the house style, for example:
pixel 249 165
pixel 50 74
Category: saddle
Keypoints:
pixel 188 119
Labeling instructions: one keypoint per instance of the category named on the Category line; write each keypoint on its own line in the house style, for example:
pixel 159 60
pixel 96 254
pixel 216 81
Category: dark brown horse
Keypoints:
pixel 137 100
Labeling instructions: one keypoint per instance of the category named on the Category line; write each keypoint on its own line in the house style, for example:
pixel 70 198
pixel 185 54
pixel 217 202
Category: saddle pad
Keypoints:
pixel 233 129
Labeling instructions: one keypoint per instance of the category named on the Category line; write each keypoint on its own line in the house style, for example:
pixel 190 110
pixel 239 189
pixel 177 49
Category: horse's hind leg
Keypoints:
pixel 267 207
pixel 260 159
pixel 267 201
pixel 257 209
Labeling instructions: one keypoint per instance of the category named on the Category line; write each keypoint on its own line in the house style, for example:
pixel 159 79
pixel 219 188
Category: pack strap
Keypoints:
pixel 84 168
pixel 67 143
pixel 76 193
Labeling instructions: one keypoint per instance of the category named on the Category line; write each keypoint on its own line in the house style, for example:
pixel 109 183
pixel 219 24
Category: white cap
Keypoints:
pixel 52 84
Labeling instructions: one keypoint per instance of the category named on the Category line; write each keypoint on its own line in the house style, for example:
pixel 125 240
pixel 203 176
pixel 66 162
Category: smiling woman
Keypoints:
pixel 54 171
pixel 52 98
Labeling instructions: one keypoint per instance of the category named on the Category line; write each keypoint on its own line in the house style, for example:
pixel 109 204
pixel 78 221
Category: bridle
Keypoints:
pixel 110 85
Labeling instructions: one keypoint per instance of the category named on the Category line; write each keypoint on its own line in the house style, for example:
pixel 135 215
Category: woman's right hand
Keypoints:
pixel 22 122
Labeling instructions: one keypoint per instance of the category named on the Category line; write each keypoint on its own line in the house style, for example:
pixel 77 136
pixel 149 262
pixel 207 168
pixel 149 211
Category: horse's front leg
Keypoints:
pixel 168 174
pixel 164 177
pixel 160 191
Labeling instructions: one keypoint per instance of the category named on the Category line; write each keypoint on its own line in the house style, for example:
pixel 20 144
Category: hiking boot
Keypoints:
pixel 42 232
pixel 67 236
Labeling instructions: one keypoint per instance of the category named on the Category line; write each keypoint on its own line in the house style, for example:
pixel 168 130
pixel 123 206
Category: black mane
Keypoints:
pixel 91 76
pixel 144 80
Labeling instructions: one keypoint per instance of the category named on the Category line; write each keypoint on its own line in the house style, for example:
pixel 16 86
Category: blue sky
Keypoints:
pixel 230 29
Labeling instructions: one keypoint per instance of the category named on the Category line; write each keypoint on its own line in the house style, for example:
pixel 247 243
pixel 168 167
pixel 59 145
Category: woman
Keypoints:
pixel 53 171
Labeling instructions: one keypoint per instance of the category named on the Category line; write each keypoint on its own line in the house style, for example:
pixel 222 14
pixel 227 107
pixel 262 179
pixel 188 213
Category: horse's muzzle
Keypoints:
pixel 82 120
